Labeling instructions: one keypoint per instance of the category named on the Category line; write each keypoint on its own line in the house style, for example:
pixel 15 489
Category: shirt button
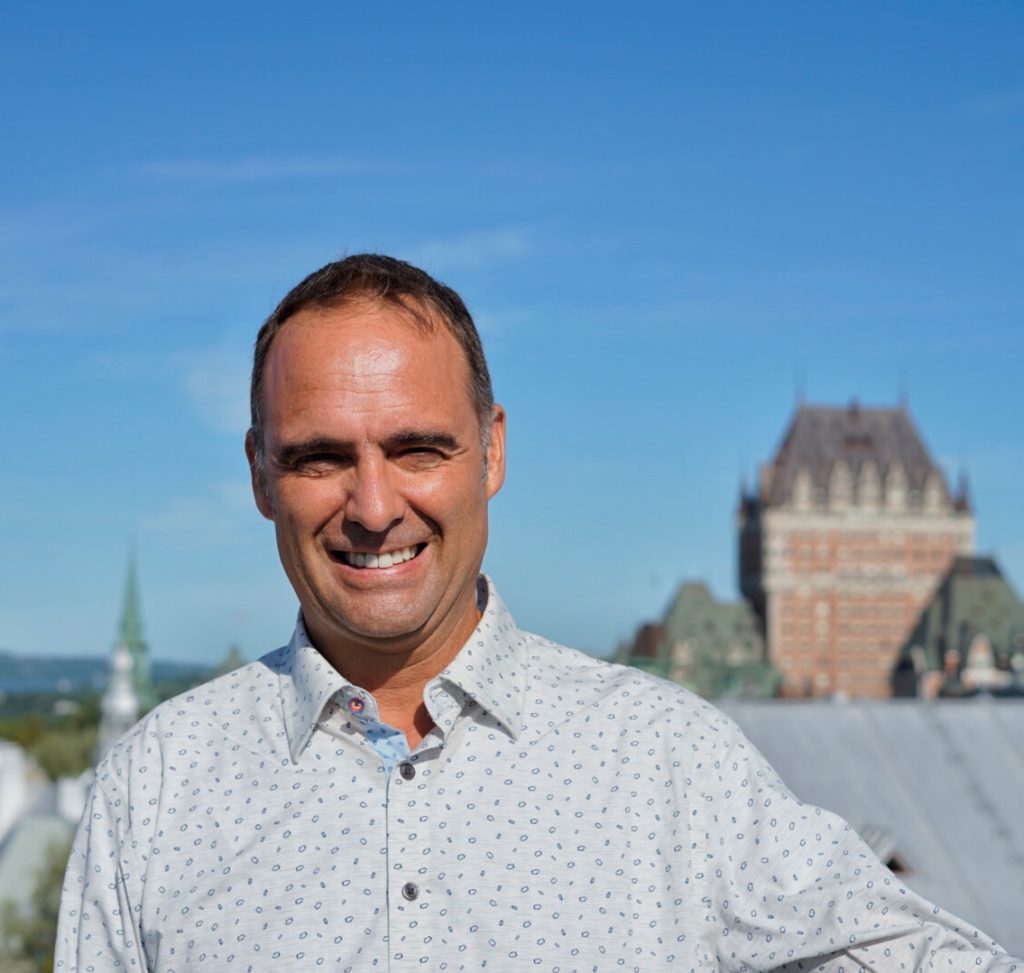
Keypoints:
pixel 407 770
pixel 410 891
pixel 356 705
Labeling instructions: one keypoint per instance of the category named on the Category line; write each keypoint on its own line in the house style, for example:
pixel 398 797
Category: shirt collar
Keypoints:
pixel 490 669
pixel 308 681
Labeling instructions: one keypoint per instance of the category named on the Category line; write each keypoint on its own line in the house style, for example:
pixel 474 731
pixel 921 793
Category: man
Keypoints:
pixel 415 783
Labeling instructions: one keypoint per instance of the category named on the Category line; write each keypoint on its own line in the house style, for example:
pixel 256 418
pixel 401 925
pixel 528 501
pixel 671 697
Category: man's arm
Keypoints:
pixel 97 927
pixel 793 887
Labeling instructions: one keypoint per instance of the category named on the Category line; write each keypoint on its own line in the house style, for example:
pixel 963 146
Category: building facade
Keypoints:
pixel 849 530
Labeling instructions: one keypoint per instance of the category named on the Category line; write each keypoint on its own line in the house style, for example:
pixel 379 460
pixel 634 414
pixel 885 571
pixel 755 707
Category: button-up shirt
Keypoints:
pixel 563 814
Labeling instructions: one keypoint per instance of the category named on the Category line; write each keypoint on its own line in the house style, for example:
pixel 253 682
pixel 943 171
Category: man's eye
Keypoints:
pixel 318 461
pixel 421 455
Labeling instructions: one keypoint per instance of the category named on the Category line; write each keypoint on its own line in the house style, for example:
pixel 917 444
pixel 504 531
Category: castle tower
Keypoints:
pixel 851 527
pixel 130 636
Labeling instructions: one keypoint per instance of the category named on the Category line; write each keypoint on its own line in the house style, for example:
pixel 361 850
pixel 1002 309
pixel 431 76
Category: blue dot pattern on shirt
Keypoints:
pixel 563 814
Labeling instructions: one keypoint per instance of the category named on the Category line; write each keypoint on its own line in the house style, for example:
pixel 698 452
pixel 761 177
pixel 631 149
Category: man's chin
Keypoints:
pixel 386 624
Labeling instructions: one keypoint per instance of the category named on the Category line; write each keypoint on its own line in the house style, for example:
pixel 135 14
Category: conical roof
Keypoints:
pixel 130 632
pixel 130 636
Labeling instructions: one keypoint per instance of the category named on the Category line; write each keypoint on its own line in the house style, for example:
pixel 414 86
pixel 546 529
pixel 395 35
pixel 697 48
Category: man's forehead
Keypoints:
pixel 394 309
pixel 370 348
pixel 360 334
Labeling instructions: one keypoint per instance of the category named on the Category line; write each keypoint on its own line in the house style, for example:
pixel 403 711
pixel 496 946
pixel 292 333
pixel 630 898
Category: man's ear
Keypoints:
pixel 258 476
pixel 496 452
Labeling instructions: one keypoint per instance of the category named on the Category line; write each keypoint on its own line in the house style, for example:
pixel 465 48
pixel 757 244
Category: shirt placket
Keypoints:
pixel 413 894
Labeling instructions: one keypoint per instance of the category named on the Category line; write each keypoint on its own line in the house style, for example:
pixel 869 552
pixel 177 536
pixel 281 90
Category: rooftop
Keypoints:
pixel 937 787
pixel 820 437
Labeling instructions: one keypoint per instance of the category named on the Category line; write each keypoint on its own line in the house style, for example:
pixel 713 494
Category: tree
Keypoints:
pixel 64 752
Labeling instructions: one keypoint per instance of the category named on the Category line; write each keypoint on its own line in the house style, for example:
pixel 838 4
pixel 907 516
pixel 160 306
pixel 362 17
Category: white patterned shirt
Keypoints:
pixel 563 814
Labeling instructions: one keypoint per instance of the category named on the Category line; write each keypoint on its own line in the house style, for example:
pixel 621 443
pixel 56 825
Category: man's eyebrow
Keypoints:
pixel 423 437
pixel 288 453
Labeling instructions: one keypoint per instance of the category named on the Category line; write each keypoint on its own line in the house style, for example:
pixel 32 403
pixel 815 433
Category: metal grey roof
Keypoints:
pixel 821 436
pixel 941 782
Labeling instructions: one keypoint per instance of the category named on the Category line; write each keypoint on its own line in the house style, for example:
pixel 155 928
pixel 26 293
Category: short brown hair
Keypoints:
pixel 375 277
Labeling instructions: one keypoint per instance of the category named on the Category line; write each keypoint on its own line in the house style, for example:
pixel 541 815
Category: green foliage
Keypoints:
pixel 64 753
pixel 87 716
pixel 27 938
pixel 23 730
pixel 61 744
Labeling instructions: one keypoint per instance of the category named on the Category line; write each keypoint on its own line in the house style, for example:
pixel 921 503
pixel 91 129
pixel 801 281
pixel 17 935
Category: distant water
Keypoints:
pixel 34 674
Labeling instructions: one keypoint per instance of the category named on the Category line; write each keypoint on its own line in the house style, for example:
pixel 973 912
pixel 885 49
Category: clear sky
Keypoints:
pixel 665 218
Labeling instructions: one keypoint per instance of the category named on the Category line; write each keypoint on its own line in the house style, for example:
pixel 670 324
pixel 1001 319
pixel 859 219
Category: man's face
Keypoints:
pixel 376 478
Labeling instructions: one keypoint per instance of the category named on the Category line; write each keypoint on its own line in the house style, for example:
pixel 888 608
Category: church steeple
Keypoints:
pixel 131 619
pixel 131 638
pixel 119 707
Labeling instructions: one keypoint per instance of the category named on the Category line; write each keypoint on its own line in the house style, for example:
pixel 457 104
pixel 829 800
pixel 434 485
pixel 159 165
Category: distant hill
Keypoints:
pixel 40 674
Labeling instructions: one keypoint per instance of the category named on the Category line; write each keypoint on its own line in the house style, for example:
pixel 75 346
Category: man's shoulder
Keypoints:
pixel 241 709
pixel 249 688
pixel 570 676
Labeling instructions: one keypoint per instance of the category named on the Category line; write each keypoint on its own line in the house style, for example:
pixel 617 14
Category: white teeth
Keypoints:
pixel 386 560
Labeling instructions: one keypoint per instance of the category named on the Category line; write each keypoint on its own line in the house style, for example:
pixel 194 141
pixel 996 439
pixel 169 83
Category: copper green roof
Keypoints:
pixel 973 599
pixel 130 636
pixel 710 646
pixel 130 633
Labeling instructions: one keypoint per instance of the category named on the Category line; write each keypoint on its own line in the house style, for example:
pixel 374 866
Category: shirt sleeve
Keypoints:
pixel 791 887
pixel 97 928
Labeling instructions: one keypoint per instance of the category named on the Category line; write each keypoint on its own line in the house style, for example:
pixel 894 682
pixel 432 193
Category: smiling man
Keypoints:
pixel 375 461
pixel 414 783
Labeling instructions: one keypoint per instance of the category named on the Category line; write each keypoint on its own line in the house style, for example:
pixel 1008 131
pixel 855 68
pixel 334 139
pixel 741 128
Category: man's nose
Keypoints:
pixel 373 500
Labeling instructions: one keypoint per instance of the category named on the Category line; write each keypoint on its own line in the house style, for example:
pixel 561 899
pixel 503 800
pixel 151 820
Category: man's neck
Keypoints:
pixel 399 693
pixel 397 676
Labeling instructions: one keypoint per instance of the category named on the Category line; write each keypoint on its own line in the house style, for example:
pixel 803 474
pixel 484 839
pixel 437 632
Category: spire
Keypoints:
pixel 741 507
pixel 904 390
pixel 130 633
pixel 130 637
pixel 962 500
pixel 747 498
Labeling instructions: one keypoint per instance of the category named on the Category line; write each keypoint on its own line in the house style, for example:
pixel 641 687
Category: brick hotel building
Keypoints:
pixel 851 527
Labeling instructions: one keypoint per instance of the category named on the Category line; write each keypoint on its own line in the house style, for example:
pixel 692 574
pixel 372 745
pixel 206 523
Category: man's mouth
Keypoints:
pixel 358 559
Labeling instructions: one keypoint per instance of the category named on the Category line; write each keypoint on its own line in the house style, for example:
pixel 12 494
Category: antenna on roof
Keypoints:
pixel 800 383
pixel 904 394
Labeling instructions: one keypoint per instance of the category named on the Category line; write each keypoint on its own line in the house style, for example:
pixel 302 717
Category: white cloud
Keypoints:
pixel 473 250
pixel 216 382
pixel 256 169
pixel 220 518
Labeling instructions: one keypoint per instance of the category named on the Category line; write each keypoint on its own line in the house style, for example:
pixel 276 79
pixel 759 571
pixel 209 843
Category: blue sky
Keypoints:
pixel 664 216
